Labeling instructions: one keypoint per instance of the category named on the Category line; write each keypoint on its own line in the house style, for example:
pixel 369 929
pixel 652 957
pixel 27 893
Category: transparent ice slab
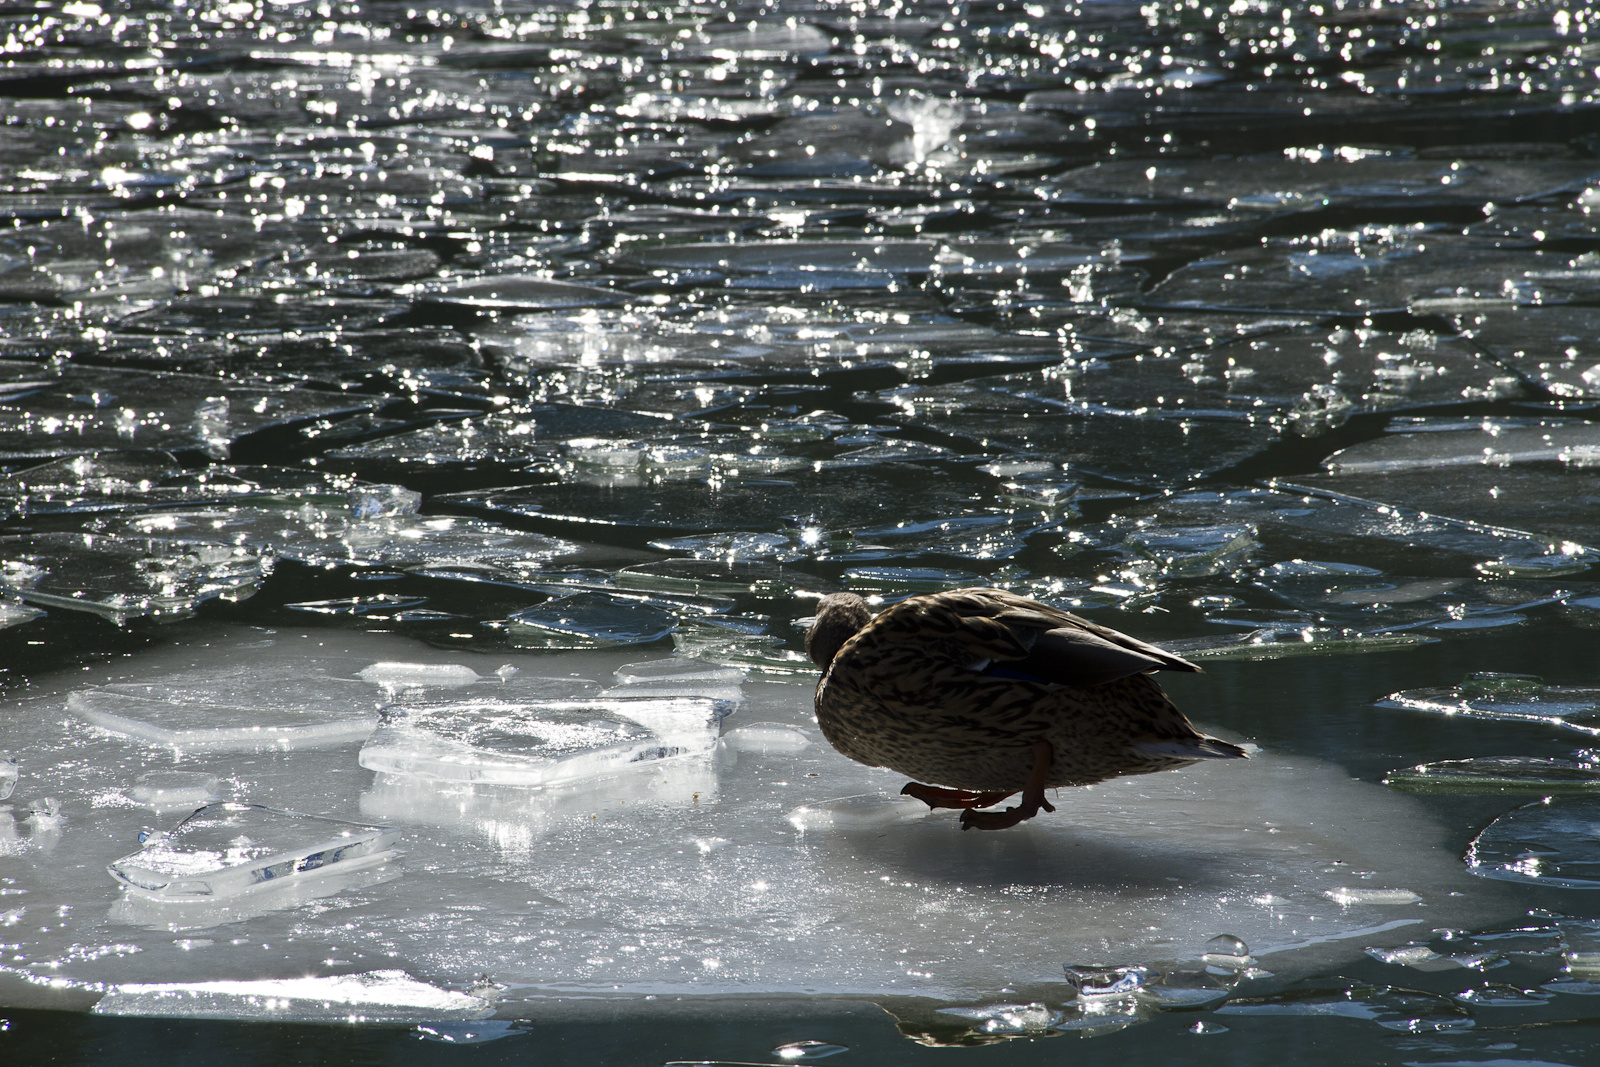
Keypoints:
pixel 372 997
pixel 224 850
pixel 1509 697
pixel 249 709
pixel 1542 775
pixel 1549 842
pixel 541 743
pixel 589 620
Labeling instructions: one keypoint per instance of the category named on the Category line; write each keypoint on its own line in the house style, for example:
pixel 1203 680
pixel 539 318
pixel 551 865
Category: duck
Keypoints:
pixel 980 694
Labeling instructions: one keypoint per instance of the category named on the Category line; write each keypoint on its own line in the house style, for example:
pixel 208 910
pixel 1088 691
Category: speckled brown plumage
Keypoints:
pixel 957 688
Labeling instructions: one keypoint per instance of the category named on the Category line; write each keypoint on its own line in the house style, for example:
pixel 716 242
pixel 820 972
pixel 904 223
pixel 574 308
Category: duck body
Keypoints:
pixel 985 691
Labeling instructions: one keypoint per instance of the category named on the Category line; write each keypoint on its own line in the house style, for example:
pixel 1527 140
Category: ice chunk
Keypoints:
pixel 397 676
pixel 522 291
pixel 1032 1018
pixel 857 812
pixel 589 620
pixel 1549 842
pixel 766 737
pixel 810 1049
pixel 224 850
pixel 1348 895
pixel 372 997
pixel 269 707
pixel 13 612
pixel 517 819
pixel 471 1033
pixel 1512 697
pixel 9 773
pixel 168 791
pixel 1093 980
pixel 1543 775
pixel 538 743
pixel 677 677
pixel 1421 957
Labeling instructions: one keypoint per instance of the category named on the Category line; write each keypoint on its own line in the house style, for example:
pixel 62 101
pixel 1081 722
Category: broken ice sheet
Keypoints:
pixel 223 850
pixel 1548 842
pixel 247 709
pixel 1524 473
pixel 1509 697
pixel 374 997
pixel 124 578
pixel 1552 347
pixel 169 791
pixel 1541 775
pixel 118 409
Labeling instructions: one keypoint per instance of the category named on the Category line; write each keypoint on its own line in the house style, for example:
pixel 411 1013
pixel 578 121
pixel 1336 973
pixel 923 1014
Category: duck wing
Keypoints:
pixel 1009 636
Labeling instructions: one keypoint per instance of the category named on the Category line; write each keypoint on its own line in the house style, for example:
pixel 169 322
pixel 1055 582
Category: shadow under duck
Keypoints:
pixel 988 694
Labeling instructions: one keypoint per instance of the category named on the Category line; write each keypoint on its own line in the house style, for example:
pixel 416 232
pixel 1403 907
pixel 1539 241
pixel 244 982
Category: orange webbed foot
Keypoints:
pixel 938 797
pixel 1032 796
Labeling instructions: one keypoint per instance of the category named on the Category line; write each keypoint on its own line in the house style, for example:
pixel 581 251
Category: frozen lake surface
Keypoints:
pixel 425 432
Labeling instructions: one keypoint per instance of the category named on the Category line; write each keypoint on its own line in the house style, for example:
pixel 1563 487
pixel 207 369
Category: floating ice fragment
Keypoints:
pixel 1512 697
pixel 474 1033
pixel 1544 775
pixel 530 743
pixel 1498 995
pixel 524 291
pixel 589 620
pixel 9 773
pixel 1183 998
pixel 224 850
pixel 1095 980
pixel 907 579
pixel 807 1050
pixel 127 578
pixel 369 502
pixel 1548 842
pixel 1348 895
pixel 246 710
pixel 1193 551
pixel 858 812
pixel 1390 1008
pixel 1269 644
pixel 13 612
pixel 1008 1018
pixel 1421 957
pixel 766 737
pixel 1201 1026
pixel 373 997
pixel 167 791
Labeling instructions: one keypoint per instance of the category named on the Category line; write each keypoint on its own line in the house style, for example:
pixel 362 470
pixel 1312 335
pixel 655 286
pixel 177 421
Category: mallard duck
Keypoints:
pixel 988 694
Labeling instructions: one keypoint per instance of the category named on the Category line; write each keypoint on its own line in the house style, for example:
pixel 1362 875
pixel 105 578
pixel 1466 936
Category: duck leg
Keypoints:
pixel 1032 796
pixel 938 797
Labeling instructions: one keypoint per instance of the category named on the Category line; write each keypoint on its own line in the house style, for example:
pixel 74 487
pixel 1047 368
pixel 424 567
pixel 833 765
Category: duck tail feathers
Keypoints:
pixel 1191 748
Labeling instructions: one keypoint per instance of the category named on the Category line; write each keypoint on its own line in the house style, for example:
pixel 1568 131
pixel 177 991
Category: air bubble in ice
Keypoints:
pixel 858 812
pixel 168 791
pixel 1095 980
pixel 1228 952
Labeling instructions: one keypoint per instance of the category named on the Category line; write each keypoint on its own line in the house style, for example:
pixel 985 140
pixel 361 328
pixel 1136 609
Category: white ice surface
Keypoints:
pixel 687 876
pixel 378 996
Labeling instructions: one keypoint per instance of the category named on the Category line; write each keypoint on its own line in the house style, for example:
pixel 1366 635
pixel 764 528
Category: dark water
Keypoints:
pixel 1256 328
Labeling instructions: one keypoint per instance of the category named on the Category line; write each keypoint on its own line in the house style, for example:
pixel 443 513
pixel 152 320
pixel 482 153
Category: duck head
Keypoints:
pixel 840 616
